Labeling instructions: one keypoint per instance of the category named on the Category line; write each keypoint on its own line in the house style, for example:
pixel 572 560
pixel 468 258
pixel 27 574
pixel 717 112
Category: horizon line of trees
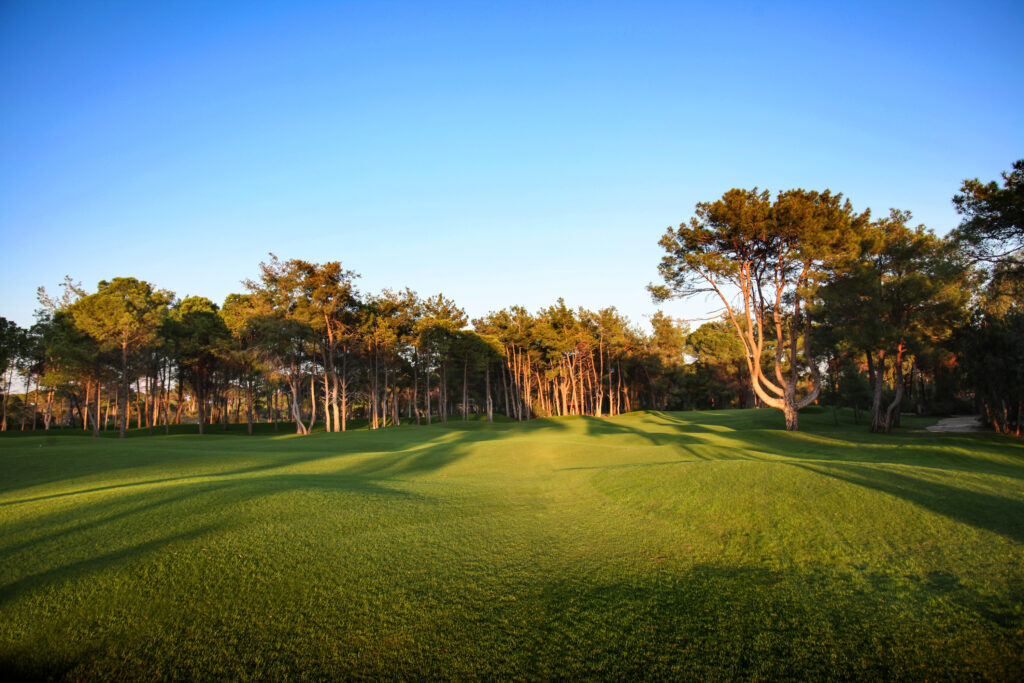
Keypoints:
pixel 819 303
pixel 305 345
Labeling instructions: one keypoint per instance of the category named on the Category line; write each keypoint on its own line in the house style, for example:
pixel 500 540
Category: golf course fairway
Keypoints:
pixel 651 545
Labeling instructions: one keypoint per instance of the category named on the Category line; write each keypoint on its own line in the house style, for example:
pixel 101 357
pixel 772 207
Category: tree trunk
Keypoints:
pixel 876 376
pixel 48 413
pixel 181 399
pixel 312 400
pixel 394 399
pixel 248 405
pixel 426 379
pixel 487 385
pixel 296 403
pixel 465 387
pixel 792 416
pixel 7 393
pixel 416 384
pixel 199 387
pixel 892 413
pixel 334 400
pixel 327 399
pixel 124 386
pixel 442 394
pixel 344 390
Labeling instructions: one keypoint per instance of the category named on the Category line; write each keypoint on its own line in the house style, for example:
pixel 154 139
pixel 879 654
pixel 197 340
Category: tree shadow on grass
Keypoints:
pixel 385 453
pixel 94 563
pixel 741 623
pixel 94 536
pixel 598 427
pixel 821 442
pixel 985 511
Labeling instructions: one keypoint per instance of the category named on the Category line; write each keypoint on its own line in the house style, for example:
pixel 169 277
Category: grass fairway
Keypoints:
pixel 652 545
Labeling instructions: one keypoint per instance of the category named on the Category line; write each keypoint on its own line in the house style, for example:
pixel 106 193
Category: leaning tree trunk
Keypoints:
pixel 300 427
pixel 892 413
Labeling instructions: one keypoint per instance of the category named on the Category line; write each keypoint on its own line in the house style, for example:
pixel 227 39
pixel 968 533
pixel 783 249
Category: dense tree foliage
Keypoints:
pixel 819 303
pixel 304 345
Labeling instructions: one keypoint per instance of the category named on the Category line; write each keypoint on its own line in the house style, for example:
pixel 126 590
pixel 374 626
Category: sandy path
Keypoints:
pixel 960 423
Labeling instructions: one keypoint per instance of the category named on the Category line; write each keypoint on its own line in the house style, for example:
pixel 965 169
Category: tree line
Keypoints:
pixel 303 345
pixel 820 304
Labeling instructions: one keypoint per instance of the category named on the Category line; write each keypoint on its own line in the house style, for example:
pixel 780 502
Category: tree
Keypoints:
pixel 239 317
pixel 435 330
pixel 283 331
pixel 904 293
pixel 201 345
pixel 333 309
pixel 764 260
pixel 12 341
pixel 992 348
pixel 992 231
pixel 720 357
pixel 123 314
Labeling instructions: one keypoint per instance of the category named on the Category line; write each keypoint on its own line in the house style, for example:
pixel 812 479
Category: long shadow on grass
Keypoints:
pixel 94 563
pixel 602 427
pixel 820 441
pixel 90 537
pixel 984 511
pixel 384 454
pixel 741 623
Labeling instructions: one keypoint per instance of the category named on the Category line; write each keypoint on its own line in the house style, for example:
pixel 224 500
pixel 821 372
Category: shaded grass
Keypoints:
pixel 652 545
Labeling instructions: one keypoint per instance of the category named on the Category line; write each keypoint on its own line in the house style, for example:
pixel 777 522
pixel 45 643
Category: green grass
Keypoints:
pixel 655 545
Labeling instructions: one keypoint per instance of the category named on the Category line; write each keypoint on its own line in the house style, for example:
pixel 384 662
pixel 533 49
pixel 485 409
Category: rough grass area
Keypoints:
pixel 652 545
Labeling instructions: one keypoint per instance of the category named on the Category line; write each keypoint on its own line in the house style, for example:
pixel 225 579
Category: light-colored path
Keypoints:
pixel 960 423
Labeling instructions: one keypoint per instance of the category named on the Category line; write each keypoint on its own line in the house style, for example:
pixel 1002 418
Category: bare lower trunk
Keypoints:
pixel 48 414
pixel 327 400
pixel 300 427
pixel 876 374
pixel 394 400
pixel 892 413
pixel 426 378
pixel 248 405
pixel 465 387
pixel 487 385
pixel 344 390
pixel 312 402
pixel 334 402
pixel 124 387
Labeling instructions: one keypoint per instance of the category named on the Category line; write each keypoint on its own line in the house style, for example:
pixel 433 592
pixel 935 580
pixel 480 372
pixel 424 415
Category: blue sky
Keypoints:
pixel 502 153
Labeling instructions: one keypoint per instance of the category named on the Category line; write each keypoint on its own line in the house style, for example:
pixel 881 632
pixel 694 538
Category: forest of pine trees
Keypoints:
pixel 831 308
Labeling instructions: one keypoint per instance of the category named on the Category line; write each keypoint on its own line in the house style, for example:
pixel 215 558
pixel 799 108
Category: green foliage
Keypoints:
pixel 123 314
pixel 992 230
pixel 901 297
pixel 647 546
pixel 10 343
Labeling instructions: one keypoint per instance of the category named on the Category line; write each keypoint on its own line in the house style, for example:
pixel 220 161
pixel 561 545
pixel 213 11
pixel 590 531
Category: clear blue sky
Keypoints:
pixel 503 153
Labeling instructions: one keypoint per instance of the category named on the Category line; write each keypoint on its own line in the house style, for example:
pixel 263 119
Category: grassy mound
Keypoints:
pixel 654 545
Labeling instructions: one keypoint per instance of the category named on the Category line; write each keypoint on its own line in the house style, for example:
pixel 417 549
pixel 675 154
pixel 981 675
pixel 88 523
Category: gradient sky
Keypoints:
pixel 501 153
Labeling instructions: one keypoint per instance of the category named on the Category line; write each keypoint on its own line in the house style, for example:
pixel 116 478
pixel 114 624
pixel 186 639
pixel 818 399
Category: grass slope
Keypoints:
pixel 682 545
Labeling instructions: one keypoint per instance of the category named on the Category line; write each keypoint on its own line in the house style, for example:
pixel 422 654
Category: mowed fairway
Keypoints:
pixel 652 545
